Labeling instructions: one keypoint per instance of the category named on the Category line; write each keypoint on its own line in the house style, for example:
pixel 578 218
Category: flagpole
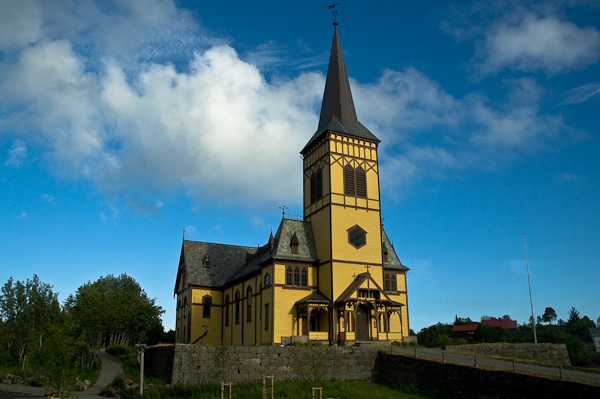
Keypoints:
pixel 529 283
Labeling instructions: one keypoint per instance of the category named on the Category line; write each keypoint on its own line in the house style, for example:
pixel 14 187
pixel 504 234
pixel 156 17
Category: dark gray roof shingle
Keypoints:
pixel 393 262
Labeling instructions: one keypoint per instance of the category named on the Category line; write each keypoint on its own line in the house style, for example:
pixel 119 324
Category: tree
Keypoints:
pixel 573 316
pixel 437 335
pixel 114 311
pixel 28 310
pixel 462 320
pixel 549 315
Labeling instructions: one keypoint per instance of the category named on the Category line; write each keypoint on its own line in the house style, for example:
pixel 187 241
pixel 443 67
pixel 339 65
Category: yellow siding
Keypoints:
pixel 325 280
pixel 321 231
pixel 214 323
pixel 345 218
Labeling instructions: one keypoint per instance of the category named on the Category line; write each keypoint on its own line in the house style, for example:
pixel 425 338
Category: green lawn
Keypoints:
pixel 283 389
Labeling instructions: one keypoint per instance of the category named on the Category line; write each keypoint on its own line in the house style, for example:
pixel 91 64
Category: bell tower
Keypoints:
pixel 341 187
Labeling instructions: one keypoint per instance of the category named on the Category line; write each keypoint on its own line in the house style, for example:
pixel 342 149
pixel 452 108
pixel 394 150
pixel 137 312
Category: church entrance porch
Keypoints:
pixel 313 317
pixel 364 312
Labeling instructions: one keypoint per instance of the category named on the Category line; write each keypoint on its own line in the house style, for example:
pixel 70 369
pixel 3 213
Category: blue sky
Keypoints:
pixel 122 123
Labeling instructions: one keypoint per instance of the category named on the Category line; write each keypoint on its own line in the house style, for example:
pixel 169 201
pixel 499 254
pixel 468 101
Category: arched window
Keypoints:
pixel 289 280
pixel 237 307
pixel 394 283
pixel 304 277
pixel 185 307
pixel 386 283
pixel 249 305
pixel 206 304
pixel 267 280
pixel 226 310
pixel 296 276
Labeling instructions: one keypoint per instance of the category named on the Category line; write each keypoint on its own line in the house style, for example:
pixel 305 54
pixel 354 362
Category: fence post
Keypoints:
pixel 562 377
pixel 476 365
pixel 514 366
pixel 443 356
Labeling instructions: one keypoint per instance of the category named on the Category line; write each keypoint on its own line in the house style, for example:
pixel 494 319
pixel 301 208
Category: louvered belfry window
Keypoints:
pixel 316 186
pixel 361 182
pixel 349 180
pixel 355 181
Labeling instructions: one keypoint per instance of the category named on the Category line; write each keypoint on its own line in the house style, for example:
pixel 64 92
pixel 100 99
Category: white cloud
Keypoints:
pixel 20 23
pixel 539 44
pixel 48 198
pixel 583 93
pixel 426 132
pixel 17 154
pixel 215 127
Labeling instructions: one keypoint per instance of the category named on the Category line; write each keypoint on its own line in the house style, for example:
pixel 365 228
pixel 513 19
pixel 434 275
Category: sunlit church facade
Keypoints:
pixel 331 275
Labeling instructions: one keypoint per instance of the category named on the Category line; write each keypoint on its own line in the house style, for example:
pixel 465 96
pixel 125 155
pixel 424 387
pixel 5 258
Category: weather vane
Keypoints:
pixel 334 11
pixel 283 208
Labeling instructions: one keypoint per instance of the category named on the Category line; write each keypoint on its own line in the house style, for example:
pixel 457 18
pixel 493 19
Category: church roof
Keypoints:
pixel 217 265
pixel 315 297
pixel 337 110
pixel 393 262
pixel 280 248
pixel 222 261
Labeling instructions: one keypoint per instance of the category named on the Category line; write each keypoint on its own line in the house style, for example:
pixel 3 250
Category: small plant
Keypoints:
pixel 308 343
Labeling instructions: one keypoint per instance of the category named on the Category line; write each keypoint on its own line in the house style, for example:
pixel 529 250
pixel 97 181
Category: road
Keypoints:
pixel 480 361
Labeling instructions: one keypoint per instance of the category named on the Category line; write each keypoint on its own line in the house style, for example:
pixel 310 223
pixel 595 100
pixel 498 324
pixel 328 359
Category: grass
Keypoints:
pixel 127 355
pixel 282 389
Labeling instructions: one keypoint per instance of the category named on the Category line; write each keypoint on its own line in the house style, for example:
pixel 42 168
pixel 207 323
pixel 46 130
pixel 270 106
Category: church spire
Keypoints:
pixel 337 98
pixel 337 110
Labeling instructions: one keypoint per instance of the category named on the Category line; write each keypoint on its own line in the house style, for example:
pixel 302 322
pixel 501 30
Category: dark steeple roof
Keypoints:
pixel 337 110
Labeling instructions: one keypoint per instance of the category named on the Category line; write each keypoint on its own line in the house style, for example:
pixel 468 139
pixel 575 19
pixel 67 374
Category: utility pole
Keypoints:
pixel 530 299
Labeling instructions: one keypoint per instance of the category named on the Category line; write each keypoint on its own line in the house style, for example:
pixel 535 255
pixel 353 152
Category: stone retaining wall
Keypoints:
pixel 158 361
pixel 552 354
pixel 243 364
pixel 446 380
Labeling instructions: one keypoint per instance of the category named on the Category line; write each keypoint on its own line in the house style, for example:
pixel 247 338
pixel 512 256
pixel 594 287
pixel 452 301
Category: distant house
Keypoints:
pixel 469 330
pixel 595 336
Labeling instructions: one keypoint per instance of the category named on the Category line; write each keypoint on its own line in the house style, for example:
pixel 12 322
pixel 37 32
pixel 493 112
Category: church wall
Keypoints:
pixel 267 294
pixel 286 322
pixel 214 322
pixel 320 225
pixel 325 282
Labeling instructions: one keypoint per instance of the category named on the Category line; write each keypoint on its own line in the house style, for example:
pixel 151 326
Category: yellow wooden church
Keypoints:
pixel 332 276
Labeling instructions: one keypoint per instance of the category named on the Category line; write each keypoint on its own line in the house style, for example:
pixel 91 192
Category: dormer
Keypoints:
pixel 294 243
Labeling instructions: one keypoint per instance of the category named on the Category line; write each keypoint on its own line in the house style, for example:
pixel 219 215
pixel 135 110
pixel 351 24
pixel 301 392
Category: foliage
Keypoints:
pixel 36 334
pixel 282 389
pixel 54 344
pixel 549 315
pixel 572 333
pixel 114 311
pixel 128 356
pixel 462 320
pixel 307 343
pixel 573 316
pixel 27 310
pixel 435 336
pixel 404 344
